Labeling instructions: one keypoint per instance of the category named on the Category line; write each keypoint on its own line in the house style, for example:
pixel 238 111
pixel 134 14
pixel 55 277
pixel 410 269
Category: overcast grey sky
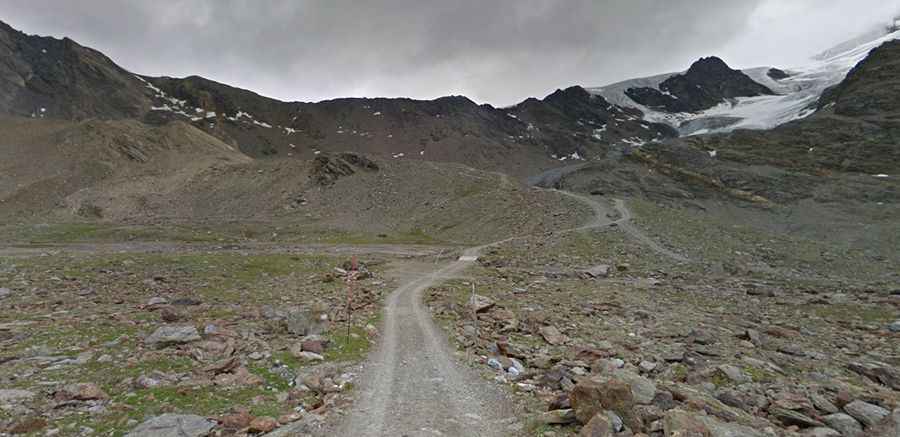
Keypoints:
pixel 498 52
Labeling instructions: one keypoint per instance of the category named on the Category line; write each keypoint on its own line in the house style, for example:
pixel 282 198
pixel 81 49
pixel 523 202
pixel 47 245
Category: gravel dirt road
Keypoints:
pixel 414 385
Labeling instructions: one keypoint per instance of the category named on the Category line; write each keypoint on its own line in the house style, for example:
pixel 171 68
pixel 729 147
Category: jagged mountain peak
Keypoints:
pixel 707 83
pixel 707 65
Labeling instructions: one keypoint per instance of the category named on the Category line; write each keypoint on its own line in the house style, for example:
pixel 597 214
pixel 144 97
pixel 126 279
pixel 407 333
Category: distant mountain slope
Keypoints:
pixel 45 77
pixel 796 92
pixel 871 89
pixel 48 77
pixel 47 164
pixel 565 125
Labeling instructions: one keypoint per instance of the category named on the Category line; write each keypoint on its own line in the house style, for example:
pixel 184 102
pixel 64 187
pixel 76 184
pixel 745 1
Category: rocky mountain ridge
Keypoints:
pixel 46 77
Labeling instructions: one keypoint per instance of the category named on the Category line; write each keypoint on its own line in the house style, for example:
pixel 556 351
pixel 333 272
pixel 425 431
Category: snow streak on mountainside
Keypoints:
pixel 796 95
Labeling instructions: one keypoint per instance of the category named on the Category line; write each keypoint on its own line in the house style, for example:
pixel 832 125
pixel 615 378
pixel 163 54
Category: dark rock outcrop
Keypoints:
pixel 327 169
pixel 777 74
pixel 707 83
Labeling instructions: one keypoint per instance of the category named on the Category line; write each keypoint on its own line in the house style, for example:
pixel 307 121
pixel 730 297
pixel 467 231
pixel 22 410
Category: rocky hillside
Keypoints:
pixel 568 124
pixel 707 83
pixel 50 167
pixel 871 87
pixel 48 77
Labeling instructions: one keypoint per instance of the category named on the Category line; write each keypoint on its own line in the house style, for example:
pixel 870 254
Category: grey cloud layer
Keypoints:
pixel 492 51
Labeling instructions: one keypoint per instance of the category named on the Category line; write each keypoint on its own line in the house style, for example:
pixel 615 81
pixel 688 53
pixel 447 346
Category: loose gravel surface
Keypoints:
pixel 413 384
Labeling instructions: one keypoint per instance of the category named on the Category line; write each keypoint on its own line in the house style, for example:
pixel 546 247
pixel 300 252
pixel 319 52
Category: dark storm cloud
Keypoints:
pixel 492 51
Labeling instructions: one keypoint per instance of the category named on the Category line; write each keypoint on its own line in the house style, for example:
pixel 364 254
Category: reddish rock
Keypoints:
pixel 263 424
pixel 28 426
pixel 238 420
pixel 314 346
pixel 169 315
pixel 599 426
pixel 678 423
pixel 552 335
pixel 585 399
pixel 240 377
pixel 288 418
pixel 590 397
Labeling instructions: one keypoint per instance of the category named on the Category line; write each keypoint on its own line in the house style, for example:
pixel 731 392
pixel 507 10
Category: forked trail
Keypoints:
pixel 413 385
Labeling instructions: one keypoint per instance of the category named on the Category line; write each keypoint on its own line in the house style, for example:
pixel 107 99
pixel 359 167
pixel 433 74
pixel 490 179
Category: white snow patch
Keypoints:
pixel 713 153
pixel 574 156
pixel 634 141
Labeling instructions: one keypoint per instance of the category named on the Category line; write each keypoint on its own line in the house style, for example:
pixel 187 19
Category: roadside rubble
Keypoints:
pixel 682 357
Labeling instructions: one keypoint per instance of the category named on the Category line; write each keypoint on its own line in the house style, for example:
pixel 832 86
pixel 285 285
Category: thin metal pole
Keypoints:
pixel 475 320
pixel 351 278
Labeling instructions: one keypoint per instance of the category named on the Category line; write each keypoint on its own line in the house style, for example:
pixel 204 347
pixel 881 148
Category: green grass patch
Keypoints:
pixel 849 312
pixel 759 375
pixel 347 348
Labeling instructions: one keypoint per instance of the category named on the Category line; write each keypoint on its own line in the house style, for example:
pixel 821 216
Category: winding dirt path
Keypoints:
pixel 623 222
pixel 413 385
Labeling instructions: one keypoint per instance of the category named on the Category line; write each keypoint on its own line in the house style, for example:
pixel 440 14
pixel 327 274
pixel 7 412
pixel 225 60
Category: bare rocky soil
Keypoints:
pixel 98 342
pixel 609 338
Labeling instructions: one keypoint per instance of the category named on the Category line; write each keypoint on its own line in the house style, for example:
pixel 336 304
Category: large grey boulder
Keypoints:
pixel 172 335
pixel 306 322
pixel 642 389
pixel 14 395
pixel 173 425
pixel 598 271
pixel 868 414
pixel 683 423
pixel 844 424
